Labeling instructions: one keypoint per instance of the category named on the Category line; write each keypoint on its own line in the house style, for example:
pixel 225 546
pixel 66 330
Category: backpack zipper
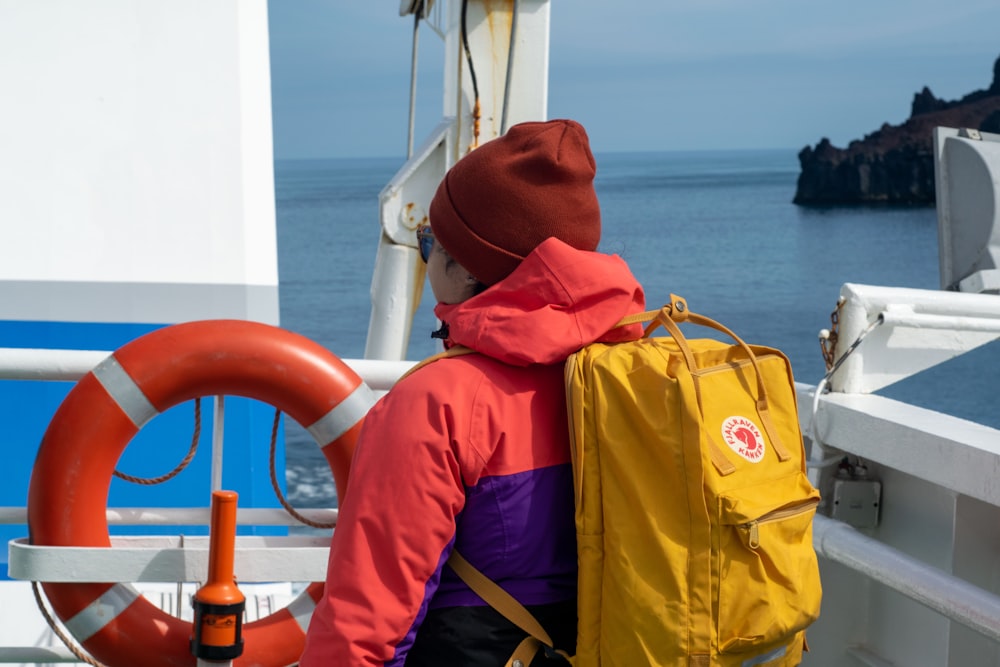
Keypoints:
pixel 753 539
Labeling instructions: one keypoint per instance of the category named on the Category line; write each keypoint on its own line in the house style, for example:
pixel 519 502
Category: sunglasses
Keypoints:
pixel 425 240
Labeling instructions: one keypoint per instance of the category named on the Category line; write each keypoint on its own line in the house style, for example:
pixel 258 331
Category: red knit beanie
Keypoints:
pixel 504 198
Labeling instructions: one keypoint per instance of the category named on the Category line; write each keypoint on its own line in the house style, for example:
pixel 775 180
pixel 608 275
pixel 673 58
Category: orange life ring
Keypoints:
pixel 71 478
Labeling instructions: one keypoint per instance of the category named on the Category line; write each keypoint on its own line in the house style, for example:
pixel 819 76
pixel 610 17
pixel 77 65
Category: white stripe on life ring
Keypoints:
pixel 343 416
pixel 301 609
pixel 105 608
pixel 125 392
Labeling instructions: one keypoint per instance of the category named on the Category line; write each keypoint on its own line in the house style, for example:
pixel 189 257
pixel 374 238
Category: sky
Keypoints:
pixel 641 75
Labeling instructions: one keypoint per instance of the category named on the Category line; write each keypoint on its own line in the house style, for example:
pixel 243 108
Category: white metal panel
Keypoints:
pixel 138 133
pixel 967 188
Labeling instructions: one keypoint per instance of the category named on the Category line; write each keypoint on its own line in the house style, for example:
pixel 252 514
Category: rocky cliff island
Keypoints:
pixel 894 164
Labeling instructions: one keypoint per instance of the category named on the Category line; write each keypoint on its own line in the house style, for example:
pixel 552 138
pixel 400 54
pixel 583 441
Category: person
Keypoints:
pixel 472 452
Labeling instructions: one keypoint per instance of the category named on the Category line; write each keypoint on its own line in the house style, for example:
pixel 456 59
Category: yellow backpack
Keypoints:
pixel 693 509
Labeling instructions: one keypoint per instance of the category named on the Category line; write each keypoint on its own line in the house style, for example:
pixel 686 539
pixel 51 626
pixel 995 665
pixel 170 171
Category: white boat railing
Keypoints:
pixel 953 454
pixel 943 458
pixel 171 559
pixel 36 655
pixel 71 365
pixel 906 331
pixel 188 516
pixel 950 596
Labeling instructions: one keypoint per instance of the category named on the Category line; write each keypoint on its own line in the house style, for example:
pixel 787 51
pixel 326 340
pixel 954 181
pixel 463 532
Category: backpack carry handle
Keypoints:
pixel 677 311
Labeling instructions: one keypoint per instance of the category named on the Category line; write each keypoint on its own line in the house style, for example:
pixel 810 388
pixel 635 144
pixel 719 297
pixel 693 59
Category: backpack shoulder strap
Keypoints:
pixel 498 598
pixel 509 608
pixel 456 351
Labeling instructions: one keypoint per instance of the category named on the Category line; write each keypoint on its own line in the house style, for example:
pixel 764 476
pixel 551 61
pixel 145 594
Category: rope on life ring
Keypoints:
pixel 107 408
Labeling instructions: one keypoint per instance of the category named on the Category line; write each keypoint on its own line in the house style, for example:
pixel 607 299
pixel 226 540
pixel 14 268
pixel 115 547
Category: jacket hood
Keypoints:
pixel 558 300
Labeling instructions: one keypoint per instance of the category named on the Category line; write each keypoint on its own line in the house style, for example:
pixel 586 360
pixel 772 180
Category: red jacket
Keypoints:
pixel 470 452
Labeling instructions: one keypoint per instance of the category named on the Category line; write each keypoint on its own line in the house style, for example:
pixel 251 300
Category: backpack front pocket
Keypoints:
pixel 766 569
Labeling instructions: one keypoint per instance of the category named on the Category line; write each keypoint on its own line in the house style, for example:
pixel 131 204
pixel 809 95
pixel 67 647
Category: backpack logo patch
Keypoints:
pixel 744 438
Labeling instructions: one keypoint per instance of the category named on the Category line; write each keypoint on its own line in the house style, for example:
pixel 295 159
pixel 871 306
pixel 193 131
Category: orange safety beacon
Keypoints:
pixel 219 604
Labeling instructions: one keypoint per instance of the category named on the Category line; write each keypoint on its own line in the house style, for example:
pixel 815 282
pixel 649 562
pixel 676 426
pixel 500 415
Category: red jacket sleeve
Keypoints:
pixel 396 525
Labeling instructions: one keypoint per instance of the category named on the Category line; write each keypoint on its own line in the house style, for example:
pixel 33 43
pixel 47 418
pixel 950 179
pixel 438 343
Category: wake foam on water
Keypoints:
pixel 310 486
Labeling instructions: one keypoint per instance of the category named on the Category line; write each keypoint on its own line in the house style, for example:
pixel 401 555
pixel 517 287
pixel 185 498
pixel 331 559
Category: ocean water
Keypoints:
pixel 718 228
